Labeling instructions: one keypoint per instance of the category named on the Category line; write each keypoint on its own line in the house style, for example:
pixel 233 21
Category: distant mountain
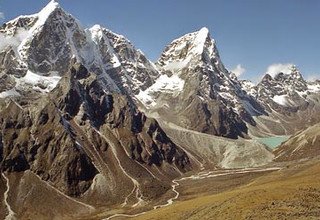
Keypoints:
pixel 291 103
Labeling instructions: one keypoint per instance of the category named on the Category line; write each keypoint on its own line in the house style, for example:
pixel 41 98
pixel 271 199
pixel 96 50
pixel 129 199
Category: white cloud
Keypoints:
pixel 276 68
pixel 313 77
pixel 1 15
pixel 238 70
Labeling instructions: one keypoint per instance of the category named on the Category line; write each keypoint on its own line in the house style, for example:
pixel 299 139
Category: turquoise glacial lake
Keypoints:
pixel 273 142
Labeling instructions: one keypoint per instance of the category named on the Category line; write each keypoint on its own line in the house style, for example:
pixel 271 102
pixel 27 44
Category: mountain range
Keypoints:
pixel 86 118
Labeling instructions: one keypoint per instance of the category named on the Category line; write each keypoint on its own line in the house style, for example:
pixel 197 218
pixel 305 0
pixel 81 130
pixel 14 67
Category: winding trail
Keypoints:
pixel 209 174
pixel 201 175
pixel 170 201
pixel 11 214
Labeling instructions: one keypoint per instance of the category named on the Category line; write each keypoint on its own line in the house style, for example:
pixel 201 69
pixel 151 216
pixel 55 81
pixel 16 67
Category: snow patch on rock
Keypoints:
pixel 164 84
pixel 314 87
pixel 9 93
pixel 37 82
pixel 280 99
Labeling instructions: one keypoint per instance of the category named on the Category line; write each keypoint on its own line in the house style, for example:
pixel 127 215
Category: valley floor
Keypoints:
pixel 288 190
pixel 292 192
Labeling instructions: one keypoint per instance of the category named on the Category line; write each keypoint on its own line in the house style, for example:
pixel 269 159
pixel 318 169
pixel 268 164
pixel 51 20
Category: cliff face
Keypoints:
pixel 73 133
pixel 40 142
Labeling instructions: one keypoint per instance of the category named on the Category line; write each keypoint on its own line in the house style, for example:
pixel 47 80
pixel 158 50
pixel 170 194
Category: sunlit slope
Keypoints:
pixel 291 193
pixel 304 144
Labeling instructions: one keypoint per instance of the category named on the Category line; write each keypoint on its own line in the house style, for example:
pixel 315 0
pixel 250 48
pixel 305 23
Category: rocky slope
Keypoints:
pixel 218 152
pixel 56 119
pixel 302 145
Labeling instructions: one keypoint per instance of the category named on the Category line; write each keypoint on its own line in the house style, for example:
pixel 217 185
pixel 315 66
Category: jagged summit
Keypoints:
pixel 45 43
pixel 49 8
pixel 292 72
pixel 189 50
pixel 285 81
pixel 200 38
pixel 266 77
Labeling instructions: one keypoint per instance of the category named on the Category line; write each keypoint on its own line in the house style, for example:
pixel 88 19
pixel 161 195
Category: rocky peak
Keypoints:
pixel 43 42
pixel 293 75
pixel 46 43
pixel 195 59
pixel 194 77
pixel 286 81
pixel 191 50
pixel 28 22
pixel 267 78
pixel 125 63
pixel 48 10
pixel 198 43
pixel 287 90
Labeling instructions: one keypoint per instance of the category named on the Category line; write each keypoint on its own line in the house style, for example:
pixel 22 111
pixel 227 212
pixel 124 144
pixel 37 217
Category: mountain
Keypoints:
pixel 42 47
pixel 197 92
pixel 78 133
pixel 188 85
pixel 290 102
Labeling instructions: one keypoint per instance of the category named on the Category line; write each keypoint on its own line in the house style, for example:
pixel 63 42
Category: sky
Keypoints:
pixel 253 36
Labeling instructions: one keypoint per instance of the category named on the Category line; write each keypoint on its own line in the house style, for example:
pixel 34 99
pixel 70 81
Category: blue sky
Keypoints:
pixel 250 34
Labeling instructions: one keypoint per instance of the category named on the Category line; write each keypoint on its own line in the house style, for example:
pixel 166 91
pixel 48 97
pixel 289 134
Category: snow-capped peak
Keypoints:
pixel 204 31
pixel 292 74
pixel 48 9
pixel 194 48
pixel 44 14
pixel 200 39
pixel 285 88
pixel 96 27
pixel 96 31
pixel 288 73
